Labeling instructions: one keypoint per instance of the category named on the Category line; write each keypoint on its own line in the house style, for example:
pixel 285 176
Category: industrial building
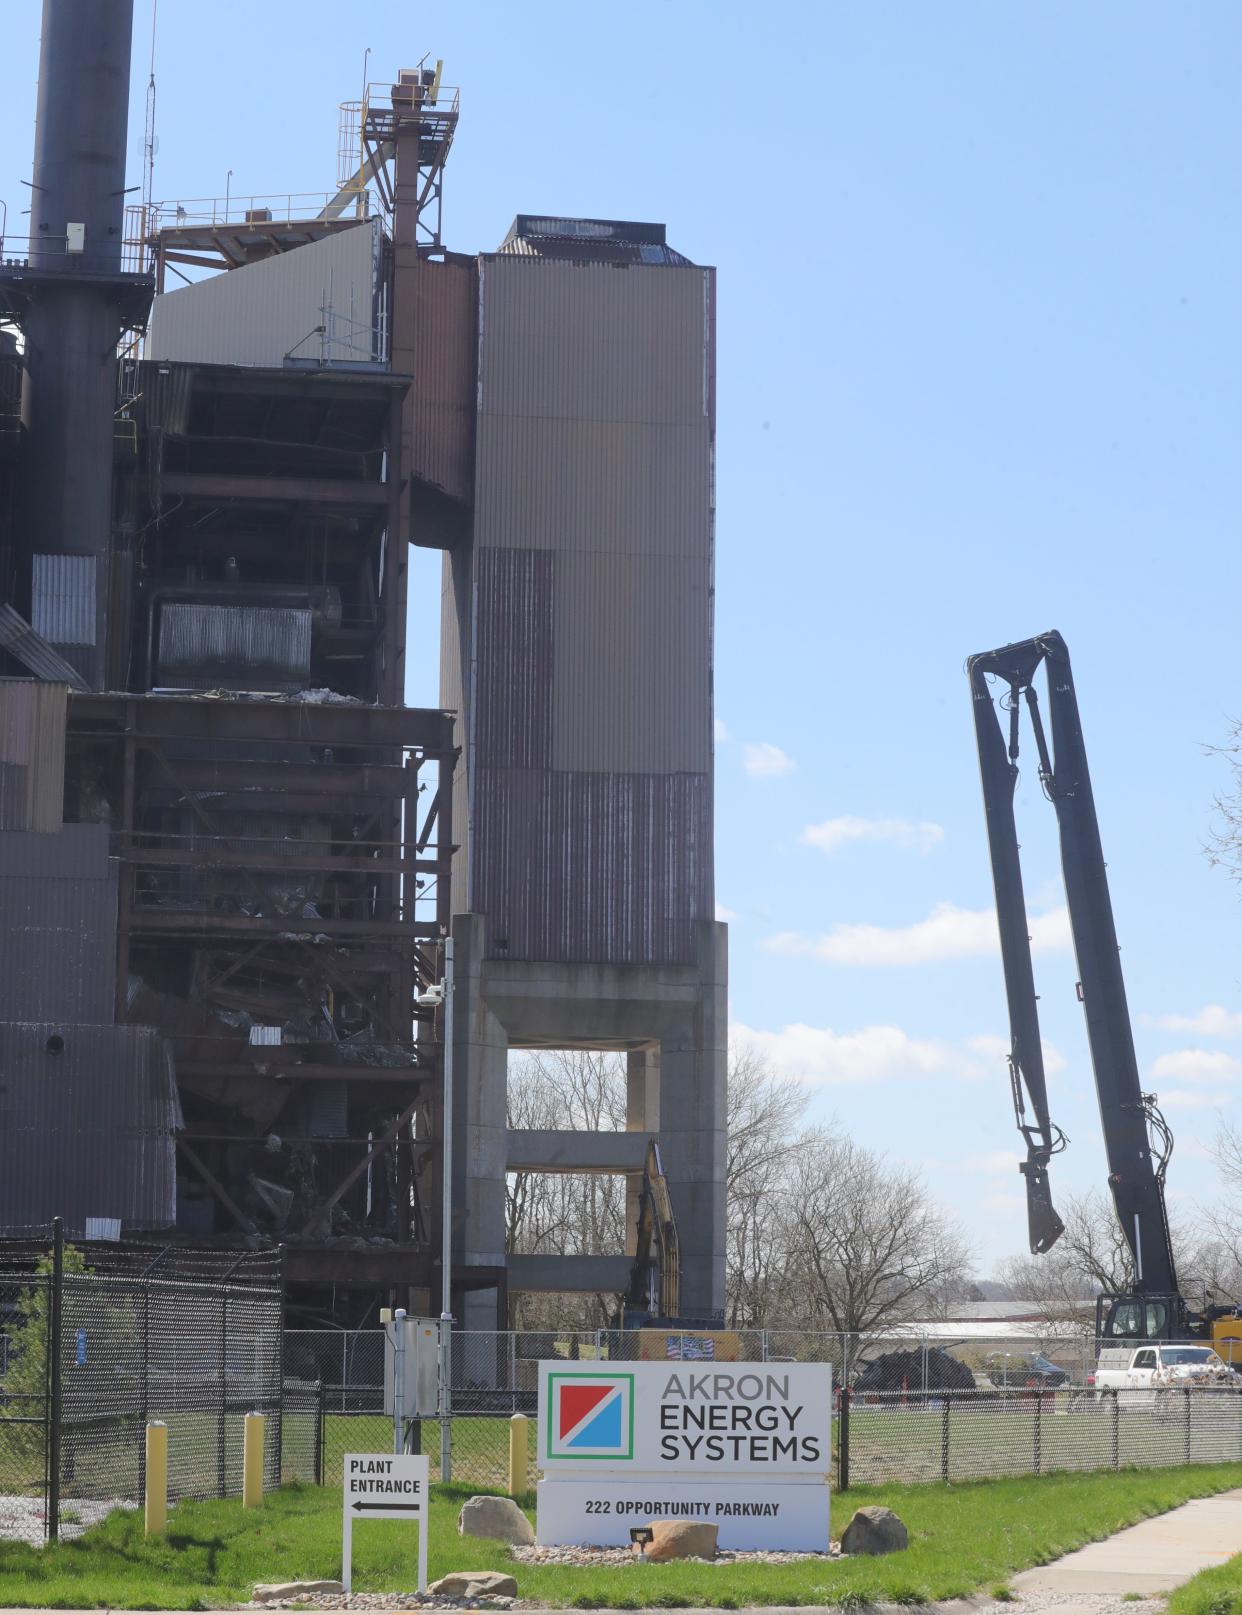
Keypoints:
pixel 230 854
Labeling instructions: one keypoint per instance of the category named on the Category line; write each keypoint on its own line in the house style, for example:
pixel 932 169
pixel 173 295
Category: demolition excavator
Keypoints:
pixel 1137 1138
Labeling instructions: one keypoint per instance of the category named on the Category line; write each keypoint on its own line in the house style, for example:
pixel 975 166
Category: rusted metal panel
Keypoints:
pixel 58 939
pixel 87 1117
pixel 32 755
pixel 514 679
pixel 609 868
pixel 443 399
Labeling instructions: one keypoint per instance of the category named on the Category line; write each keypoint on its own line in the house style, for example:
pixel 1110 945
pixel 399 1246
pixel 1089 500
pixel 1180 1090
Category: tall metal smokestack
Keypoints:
pixel 75 318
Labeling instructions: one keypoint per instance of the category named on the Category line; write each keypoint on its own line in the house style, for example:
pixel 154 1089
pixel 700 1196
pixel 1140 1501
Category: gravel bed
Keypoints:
pixel 383 1601
pixel 626 1556
pixel 23 1519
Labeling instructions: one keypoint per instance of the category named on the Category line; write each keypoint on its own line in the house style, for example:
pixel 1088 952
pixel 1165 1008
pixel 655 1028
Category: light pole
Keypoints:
pixel 442 993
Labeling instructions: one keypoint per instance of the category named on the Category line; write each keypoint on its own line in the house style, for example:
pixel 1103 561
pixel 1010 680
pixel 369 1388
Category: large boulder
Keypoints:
pixel 680 1539
pixel 277 1592
pixel 475 1584
pixel 499 1519
pixel 875 1530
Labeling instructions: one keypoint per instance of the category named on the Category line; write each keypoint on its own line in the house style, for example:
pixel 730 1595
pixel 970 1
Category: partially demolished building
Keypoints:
pixel 229 853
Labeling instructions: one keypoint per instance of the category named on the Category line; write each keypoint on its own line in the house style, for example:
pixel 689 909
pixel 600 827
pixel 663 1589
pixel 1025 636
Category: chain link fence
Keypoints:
pixel 99 1341
pixel 976 1435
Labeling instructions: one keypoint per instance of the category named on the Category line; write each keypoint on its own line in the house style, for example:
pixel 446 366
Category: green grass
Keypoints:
pixel 1211 1592
pixel 963 1538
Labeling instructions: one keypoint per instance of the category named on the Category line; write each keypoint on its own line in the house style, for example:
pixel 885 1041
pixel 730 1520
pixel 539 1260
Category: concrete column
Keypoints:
pixel 693 1097
pixel 642 1115
pixel 480 1080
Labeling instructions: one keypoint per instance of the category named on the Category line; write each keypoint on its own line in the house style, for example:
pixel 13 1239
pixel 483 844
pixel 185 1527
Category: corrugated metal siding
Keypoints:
pixel 32 755
pixel 641 488
pixel 58 937
pixel 234 647
pixel 592 342
pixel 589 702
pixel 88 1131
pixel 259 313
pixel 599 867
pixel 63 599
pixel 633 633
pixel 446 346
pixel 513 685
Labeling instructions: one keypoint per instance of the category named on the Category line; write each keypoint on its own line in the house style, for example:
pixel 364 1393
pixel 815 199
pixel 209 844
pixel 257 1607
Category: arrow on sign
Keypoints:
pixel 408 1508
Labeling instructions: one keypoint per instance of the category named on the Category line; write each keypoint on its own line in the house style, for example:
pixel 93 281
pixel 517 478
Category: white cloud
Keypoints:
pixel 994 1163
pixel 991 1047
pixel 762 760
pixel 1196 1065
pixel 1213 1020
pixel 722 732
pixel 1191 1099
pixel 821 1057
pixel 725 914
pixel 839 832
pixel 948 932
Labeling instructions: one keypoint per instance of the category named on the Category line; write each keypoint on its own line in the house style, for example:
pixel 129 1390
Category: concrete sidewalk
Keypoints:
pixel 1149 1558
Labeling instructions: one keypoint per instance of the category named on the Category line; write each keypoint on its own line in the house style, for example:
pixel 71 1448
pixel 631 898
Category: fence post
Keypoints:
pixel 843 1441
pixel 222 1483
pixel 1186 1432
pixel 519 1438
pixel 55 1316
pixel 155 1493
pixel 320 1432
pixel 280 1375
pixel 252 1460
pixel 146 1382
pixel 1036 1454
pixel 1115 1430
pixel 944 1435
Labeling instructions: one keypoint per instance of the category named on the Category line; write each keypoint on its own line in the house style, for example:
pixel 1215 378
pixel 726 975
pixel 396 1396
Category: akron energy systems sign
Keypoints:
pixel 743 1446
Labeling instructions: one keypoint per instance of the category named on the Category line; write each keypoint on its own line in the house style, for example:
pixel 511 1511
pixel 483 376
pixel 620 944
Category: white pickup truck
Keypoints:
pixel 1137 1373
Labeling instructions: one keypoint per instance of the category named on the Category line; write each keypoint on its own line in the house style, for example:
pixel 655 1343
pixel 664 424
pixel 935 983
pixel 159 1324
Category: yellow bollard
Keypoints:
pixel 157 1479
pixel 518 1437
pixel 252 1468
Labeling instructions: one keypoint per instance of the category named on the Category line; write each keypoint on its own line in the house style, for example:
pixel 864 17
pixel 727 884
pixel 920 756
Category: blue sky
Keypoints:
pixel 978 377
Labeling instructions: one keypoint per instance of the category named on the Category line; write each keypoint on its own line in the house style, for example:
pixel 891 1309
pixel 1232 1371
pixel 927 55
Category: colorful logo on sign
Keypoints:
pixel 590 1416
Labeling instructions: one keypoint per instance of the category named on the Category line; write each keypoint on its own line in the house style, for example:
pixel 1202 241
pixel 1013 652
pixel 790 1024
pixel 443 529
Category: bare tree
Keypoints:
pixel 1224 847
pixel 865 1245
pixel 764 1112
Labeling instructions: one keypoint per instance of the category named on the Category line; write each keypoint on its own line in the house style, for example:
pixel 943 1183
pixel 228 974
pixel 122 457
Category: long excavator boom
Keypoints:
pixel 1128 1116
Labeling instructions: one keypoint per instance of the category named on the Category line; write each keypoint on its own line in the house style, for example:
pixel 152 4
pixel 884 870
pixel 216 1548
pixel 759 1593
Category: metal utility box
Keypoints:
pixel 422 1366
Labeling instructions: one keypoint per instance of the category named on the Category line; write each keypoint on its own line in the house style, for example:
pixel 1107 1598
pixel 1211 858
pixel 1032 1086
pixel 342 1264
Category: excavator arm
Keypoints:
pixel 655 1279
pixel 1129 1117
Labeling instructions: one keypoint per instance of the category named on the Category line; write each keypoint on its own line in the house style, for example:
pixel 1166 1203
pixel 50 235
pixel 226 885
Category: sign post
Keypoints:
pixel 385 1486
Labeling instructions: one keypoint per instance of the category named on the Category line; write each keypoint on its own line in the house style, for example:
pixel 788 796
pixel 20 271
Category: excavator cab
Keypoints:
pixel 1141 1317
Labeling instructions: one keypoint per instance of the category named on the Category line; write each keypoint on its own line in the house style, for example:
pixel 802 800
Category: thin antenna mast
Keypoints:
pixel 148 142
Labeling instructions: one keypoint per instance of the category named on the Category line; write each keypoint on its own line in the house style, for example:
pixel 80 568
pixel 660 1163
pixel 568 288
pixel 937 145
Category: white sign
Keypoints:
pixel 744 1446
pixel 754 1512
pixel 670 1418
pixel 385 1486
